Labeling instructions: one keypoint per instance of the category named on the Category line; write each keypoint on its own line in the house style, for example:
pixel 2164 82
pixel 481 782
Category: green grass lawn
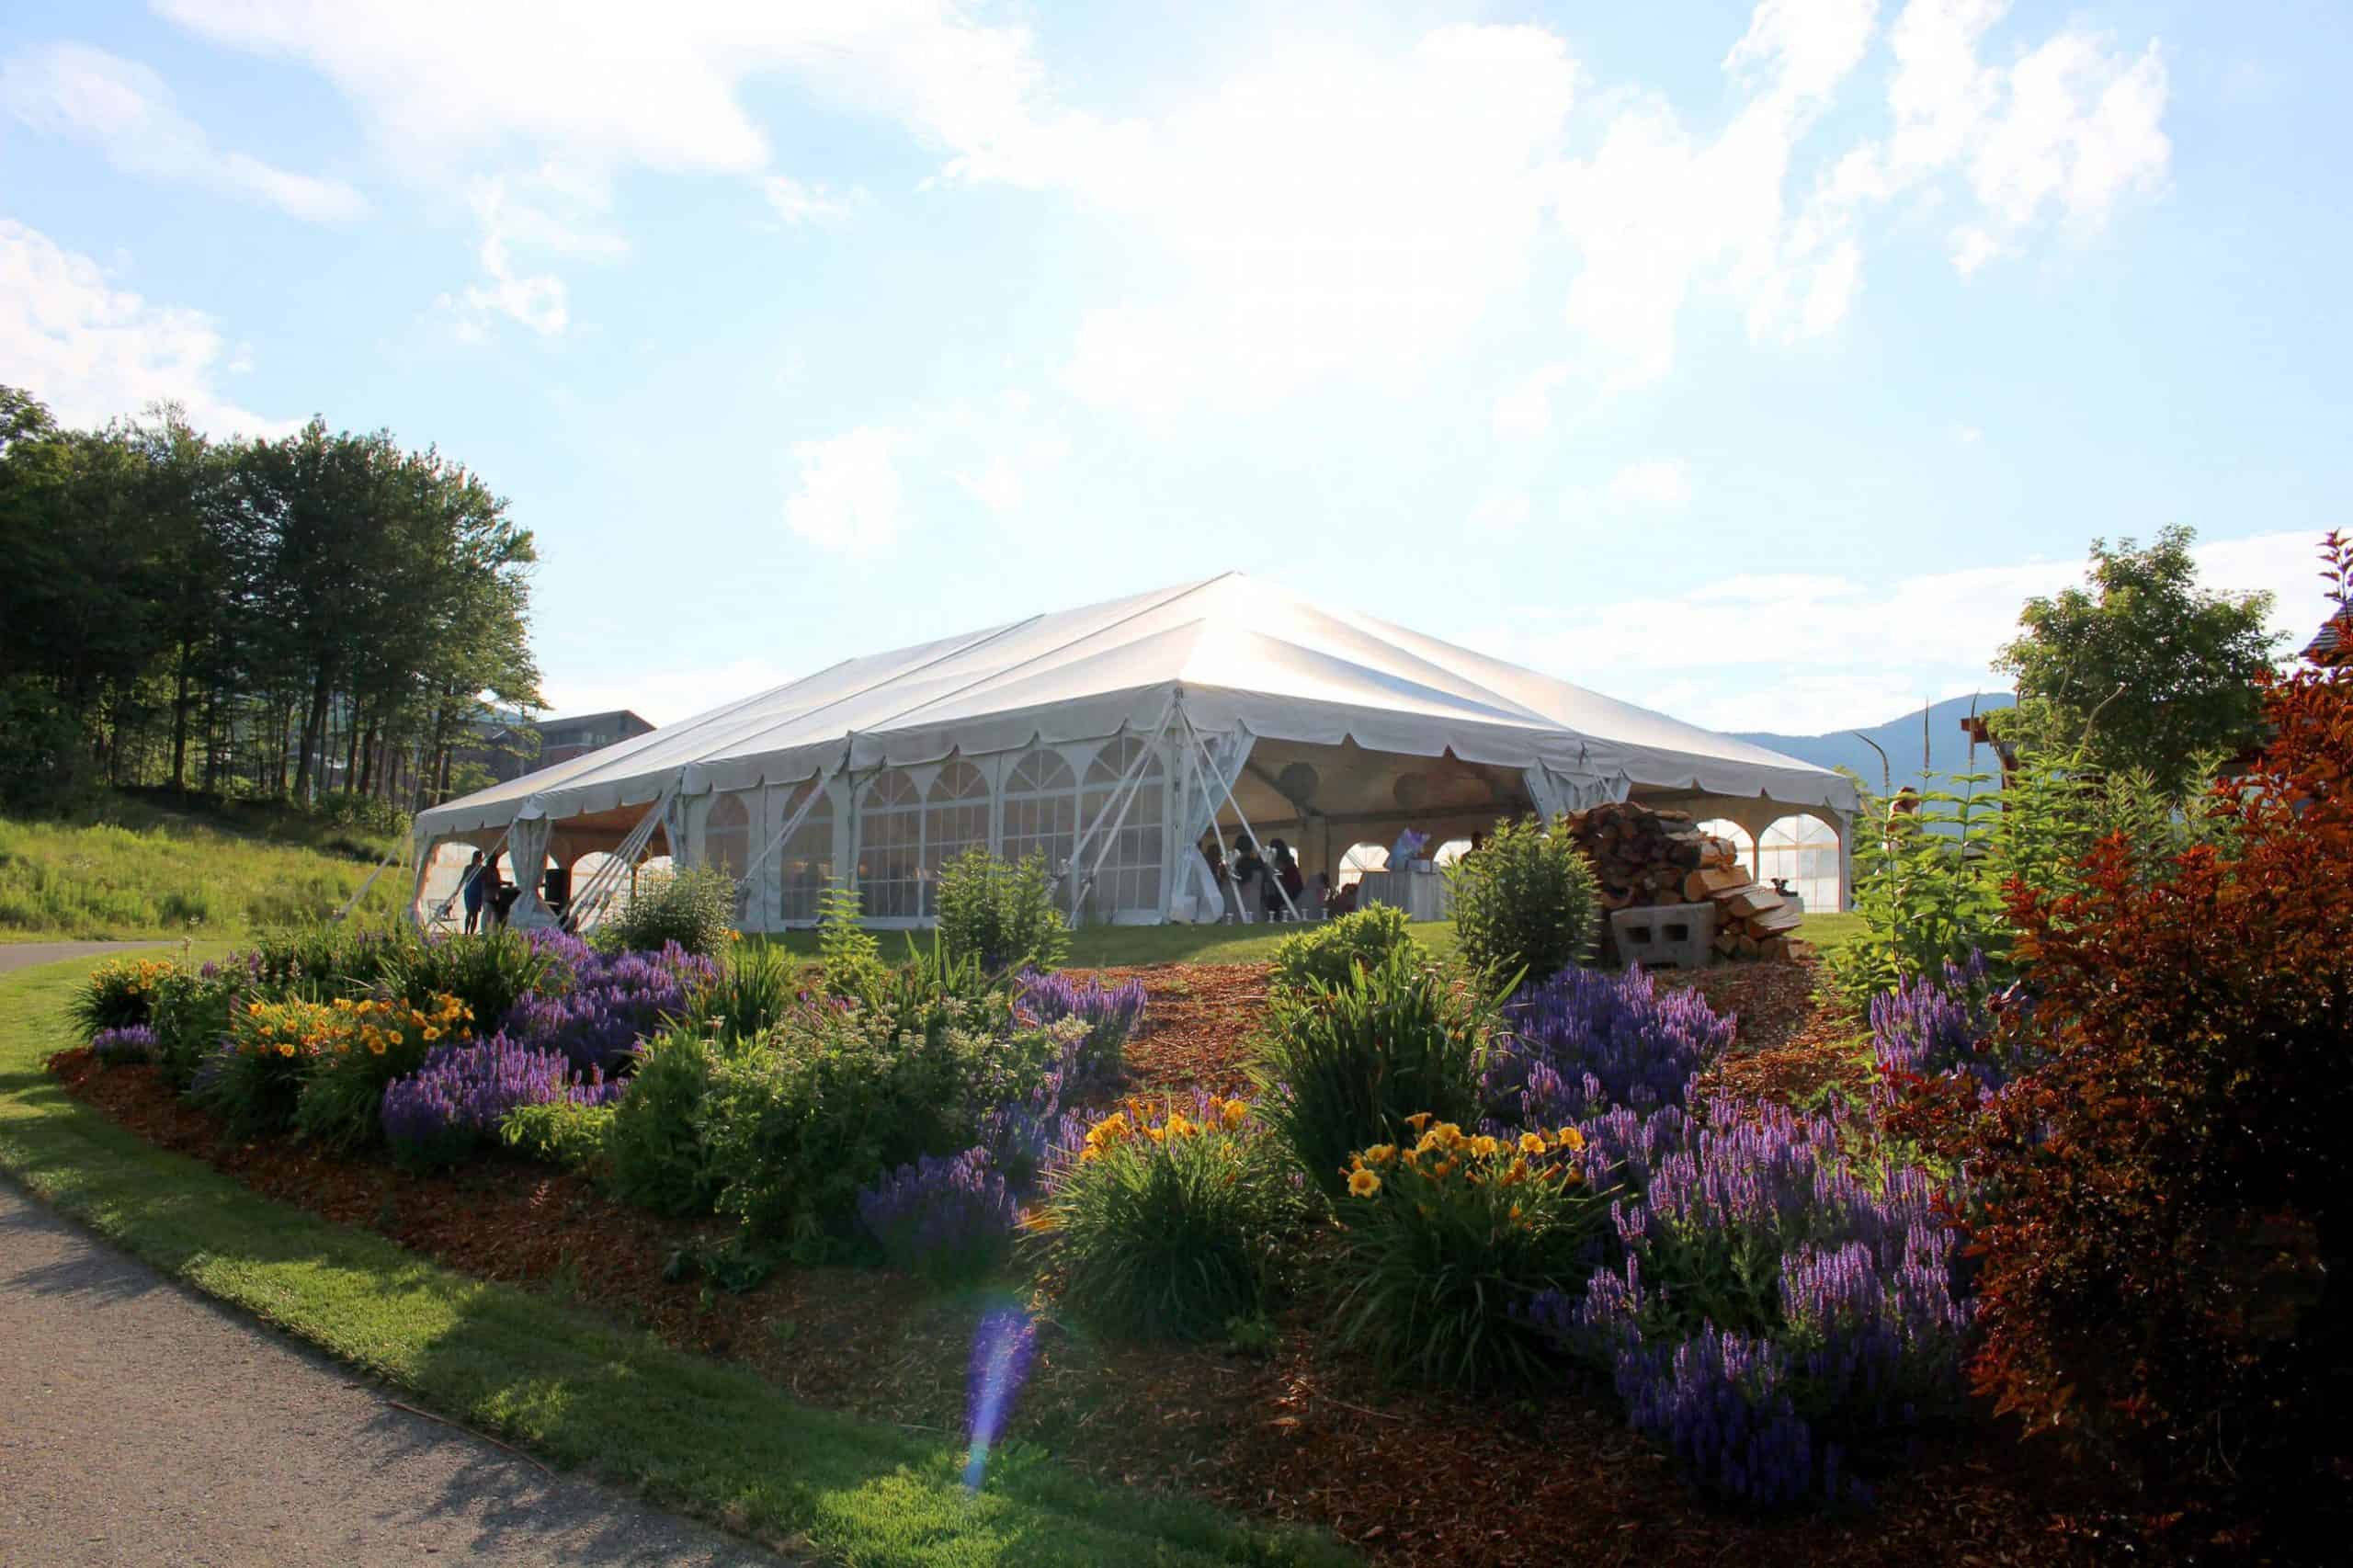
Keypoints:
pixel 130 865
pixel 1098 947
pixel 691 1434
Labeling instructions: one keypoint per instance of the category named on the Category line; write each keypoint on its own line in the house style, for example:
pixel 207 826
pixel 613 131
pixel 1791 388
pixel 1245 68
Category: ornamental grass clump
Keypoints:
pixel 458 1100
pixel 695 908
pixel 1340 1067
pixel 947 1218
pixel 1449 1240
pixel 1097 1062
pixel 596 1006
pixel 749 994
pixel 1580 1043
pixel 1167 1219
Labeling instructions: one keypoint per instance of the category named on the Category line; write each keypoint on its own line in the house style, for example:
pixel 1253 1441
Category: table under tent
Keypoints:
pixel 1111 740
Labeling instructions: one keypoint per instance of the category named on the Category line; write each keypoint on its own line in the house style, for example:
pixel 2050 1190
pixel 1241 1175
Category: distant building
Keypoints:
pixel 512 746
pixel 2329 647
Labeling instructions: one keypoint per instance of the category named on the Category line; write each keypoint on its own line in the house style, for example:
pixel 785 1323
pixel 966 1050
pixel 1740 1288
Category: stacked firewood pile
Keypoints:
pixel 1643 858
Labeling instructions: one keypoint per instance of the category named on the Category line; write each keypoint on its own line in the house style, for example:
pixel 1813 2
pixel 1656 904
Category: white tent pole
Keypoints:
pixel 401 855
pixel 622 860
pixel 1210 771
pixel 1122 795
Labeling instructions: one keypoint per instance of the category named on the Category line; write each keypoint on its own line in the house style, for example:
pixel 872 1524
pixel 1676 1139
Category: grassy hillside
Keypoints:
pixel 149 865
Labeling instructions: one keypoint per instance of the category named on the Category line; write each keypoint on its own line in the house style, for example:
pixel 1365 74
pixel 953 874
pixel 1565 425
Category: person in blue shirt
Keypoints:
pixel 477 885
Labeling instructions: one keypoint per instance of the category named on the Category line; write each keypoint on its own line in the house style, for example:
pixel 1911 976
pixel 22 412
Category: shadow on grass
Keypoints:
pixel 710 1439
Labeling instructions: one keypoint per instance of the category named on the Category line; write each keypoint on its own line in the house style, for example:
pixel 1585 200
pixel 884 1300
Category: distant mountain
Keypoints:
pixel 1948 746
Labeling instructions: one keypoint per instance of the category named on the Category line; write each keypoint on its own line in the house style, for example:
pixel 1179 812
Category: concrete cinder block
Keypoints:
pixel 1681 936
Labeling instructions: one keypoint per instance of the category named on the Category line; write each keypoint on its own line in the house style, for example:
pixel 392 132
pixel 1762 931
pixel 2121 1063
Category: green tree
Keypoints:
pixel 2141 667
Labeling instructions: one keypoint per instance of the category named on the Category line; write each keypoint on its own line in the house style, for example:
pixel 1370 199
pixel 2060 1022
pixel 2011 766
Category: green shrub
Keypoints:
pixel 695 908
pixel 1170 1223
pixel 655 1144
pixel 1340 1067
pixel 1449 1240
pixel 122 994
pixel 1526 903
pixel 830 1101
pixel 1932 871
pixel 848 956
pixel 1328 953
pixel 753 992
pixel 1000 915
pixel 192 1017
pixel 565 1133
pixel 488 973
pixel 328 957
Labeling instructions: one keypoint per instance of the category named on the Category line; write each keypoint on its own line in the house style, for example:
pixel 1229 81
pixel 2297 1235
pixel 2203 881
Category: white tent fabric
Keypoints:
pixel 1242 654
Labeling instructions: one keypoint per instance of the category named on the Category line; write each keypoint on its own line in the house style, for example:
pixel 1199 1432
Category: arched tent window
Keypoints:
pixel 1360 859
pixel 955 818
pixel 727 836
pixel 1128 878
pixel 1453 849
pixel 890 847
pixel 1803 852
pixel 805 860
pixel 1743 847
pixel 1040 809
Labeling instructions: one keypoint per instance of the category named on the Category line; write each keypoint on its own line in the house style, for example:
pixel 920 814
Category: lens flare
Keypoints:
pixel 1001 1350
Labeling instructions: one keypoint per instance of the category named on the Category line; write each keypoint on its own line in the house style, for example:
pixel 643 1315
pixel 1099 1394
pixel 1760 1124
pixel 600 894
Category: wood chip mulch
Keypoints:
pixel 1413 1477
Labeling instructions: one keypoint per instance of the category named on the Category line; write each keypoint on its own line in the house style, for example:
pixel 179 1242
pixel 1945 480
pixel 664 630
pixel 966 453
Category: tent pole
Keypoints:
pixel 1230 800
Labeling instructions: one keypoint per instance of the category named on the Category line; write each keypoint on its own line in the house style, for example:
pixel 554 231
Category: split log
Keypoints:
pixel 1704 884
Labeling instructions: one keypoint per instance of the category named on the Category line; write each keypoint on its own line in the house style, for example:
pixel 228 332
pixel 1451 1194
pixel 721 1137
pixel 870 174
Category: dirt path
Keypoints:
pixel 141 1425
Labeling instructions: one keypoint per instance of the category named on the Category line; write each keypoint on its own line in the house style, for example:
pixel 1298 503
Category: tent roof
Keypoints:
pixel 1237 650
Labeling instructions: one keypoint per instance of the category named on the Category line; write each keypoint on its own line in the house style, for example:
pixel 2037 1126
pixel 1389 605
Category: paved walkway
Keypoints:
pixel 141 1425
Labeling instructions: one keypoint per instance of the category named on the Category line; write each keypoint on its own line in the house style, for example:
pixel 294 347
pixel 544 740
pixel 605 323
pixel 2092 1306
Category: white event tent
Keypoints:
pixel 1111 739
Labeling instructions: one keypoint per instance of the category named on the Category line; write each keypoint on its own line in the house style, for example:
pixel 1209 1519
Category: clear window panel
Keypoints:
pixel 1128 875
pixel 955 818
pixel 805 860
pixel 890 854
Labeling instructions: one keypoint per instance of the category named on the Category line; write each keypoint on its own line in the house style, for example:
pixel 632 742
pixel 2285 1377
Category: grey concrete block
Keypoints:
pixel 1678 935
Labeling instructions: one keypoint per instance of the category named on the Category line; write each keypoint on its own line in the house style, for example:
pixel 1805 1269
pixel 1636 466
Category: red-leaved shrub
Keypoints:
pixel 2165 1231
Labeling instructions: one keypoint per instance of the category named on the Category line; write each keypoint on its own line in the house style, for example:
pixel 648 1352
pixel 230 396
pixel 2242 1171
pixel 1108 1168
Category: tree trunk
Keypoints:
pixel 312 760
pixel 179 725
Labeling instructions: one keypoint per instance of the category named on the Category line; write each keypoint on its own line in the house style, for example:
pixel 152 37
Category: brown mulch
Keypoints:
pixel 1413 1477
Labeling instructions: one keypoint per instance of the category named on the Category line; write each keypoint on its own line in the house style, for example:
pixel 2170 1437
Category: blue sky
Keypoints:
pixel 1751 363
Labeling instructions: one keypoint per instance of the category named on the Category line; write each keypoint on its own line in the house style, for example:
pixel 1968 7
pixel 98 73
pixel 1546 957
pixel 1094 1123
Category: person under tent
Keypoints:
pixel 474 886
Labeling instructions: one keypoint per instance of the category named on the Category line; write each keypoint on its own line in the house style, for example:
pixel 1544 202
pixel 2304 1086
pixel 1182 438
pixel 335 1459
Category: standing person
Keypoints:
pixel 494 896
pixel 1250 881
pixel 1284 884
pixel 474 886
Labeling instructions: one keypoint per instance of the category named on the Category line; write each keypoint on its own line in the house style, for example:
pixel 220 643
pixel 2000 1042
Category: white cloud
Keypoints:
pixel 805 201
pixel 1658 483
pixel 126 111
pixel 1523 410
pixel 1968 435
pixel 2070 127
pixel 1500 515
pixel 92 351
pixel 1333 211
pixel 1936 632
pixel 614 85
pixel 847 498
pixel 538 300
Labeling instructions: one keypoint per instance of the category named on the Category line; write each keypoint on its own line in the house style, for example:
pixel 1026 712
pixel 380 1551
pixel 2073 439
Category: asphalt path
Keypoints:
pixel 140 1423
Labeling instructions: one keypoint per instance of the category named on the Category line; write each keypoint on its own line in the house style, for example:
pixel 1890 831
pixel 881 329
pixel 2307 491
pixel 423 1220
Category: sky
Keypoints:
pixel 1753 364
